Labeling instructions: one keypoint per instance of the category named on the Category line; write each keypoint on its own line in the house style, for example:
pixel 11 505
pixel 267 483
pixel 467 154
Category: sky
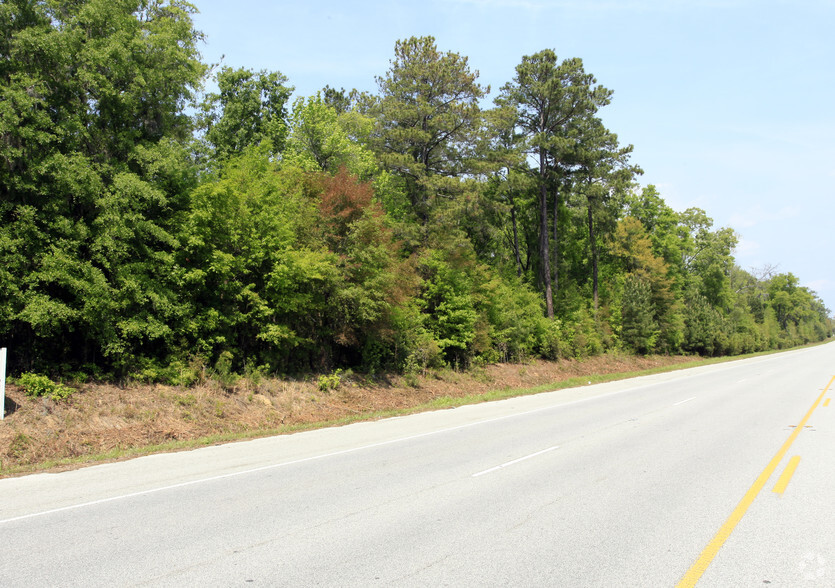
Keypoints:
pixel 728 103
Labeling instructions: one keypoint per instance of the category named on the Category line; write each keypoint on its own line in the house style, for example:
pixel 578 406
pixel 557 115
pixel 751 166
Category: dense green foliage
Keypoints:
pixel 152 231
pixel 38 385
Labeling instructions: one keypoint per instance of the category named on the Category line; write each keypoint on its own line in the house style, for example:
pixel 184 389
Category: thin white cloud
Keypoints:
pixel 606 5
pixel 791 134
pixel 516 4
pixel 820 284
pixel 757 215
pixel 746 248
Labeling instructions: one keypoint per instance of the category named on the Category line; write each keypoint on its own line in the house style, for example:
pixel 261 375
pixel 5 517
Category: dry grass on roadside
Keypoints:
pixel 102 421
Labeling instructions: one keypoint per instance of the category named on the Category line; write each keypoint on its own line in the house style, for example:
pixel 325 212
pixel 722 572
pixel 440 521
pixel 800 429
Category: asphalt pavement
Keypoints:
pixel 662 480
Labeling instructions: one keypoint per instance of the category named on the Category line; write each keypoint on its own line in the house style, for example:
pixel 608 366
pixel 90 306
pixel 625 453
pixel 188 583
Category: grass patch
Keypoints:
pixel 215 417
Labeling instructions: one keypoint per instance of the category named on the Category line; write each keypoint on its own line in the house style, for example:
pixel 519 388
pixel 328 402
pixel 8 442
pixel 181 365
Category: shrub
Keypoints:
pixel 582 335
pixel 552 342
pixel 515 314
pixel 39 385
pixel 223 373
pixel 330 382
pixel 640 330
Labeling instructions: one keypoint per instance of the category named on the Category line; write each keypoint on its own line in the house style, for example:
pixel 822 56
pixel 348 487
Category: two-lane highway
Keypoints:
pixel 656 481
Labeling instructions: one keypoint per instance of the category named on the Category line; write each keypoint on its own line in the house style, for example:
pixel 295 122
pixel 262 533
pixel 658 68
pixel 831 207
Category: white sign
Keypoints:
pixel 2 383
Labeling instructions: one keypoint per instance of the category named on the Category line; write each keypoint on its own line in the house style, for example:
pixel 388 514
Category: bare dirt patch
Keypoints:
pixel 101 418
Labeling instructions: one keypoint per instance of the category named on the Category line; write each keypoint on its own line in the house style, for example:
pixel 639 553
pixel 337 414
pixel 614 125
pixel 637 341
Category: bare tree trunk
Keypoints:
pixel 544 254
pixel 593 245
pixel 556 261
pixel 526 267
pixel 515 237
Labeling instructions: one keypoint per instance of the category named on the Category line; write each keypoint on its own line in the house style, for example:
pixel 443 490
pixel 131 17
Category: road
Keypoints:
pixel 662 480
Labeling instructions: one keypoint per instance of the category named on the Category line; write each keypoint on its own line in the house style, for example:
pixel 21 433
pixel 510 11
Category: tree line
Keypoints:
pixel 149 227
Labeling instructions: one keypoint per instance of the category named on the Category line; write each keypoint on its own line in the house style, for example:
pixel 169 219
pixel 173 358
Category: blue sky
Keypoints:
pixel 727 102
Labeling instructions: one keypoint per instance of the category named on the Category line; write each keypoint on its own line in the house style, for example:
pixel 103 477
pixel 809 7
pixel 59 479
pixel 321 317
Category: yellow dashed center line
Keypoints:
pixel 786 476
pixel 826 402
pixel 697 569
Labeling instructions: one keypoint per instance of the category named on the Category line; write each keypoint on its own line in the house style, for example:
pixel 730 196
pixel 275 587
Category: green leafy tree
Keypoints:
pixel 93 175
pixel 603 174
pixel 292 268
pixel 662 223
pixel 639 329
pixel 708 257
pixel 505 182
pixel 633 247
pixel 801 315
pixel 428 115
pixel 548 98
pixel 449 305
pixel 320 139
pixel 375 278
pixel 706 330
pixel 248 109
pixel 259 271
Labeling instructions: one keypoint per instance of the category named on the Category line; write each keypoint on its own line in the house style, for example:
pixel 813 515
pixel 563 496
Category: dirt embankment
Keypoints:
pixel 101 418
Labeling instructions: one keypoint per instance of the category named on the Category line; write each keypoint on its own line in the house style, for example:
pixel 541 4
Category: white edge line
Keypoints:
pixel 683 401
pixel 509 463
pixel 269 467
pixel 322 456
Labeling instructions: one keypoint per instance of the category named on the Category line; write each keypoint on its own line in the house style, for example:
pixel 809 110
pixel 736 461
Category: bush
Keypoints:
pixel 552 343
pixel 515 314
pixel 330 382
pixel 640 330
pixel 584 334
pixel 39 385
pixel 223 373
